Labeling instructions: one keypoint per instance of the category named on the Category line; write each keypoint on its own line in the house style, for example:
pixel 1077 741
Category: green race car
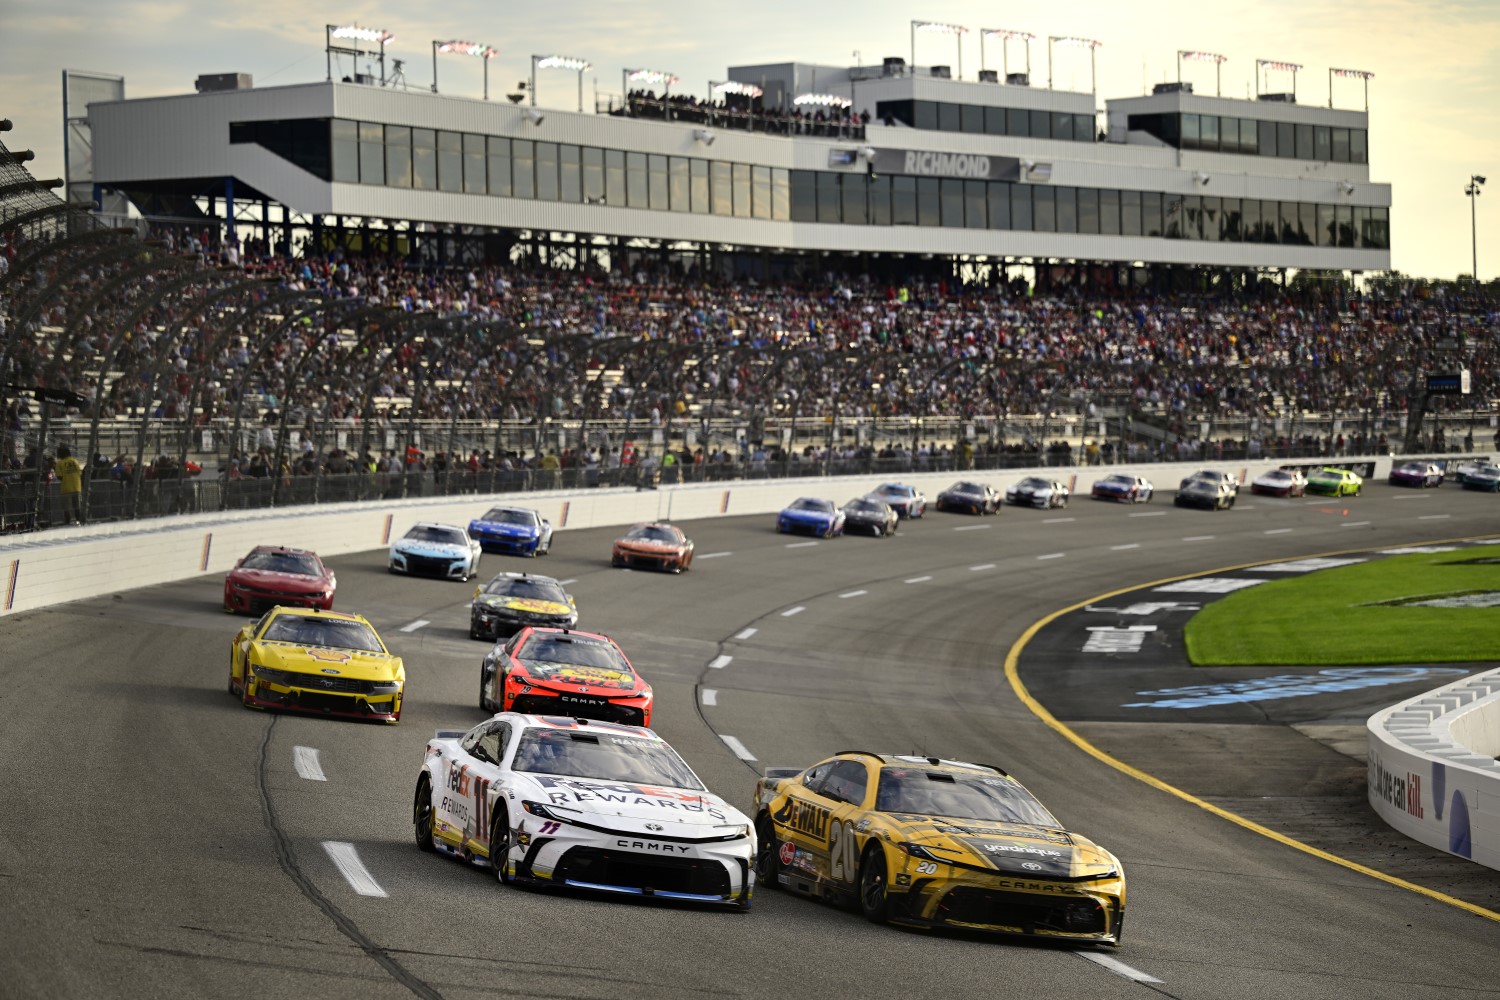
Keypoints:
pixel 1332 482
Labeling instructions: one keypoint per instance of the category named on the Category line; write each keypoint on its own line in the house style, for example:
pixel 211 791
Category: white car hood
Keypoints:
pixel 635 802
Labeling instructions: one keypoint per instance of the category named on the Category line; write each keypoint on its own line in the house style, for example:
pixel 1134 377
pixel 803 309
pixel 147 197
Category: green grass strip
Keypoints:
pixel 1336 617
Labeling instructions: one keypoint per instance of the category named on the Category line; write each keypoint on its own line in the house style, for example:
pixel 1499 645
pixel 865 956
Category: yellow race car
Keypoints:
pixel 929 842
pixel 321 662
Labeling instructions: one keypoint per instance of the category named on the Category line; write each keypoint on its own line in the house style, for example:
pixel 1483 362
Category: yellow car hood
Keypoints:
pixel 530 604
pixel 351 663
pixel 1009 847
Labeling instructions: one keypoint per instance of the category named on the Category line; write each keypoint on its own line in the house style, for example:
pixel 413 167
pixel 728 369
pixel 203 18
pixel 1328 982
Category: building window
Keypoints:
pixel 1109 212
pixel 1213 221
pixel 855 204
pixel 804 192
pixel 1020 207
pixel 1340 145
pixel 1017 122
pixel 451 162
pixel 1322 143
pixel 951 195
pixel 1267 136
pixel 760 192
pixel 546 171
pixel 781 195
pixel 637 181
pixel 424 172
pixel 1088 210
pixel 1041 124
pixel 1192 217
pixel 828 196
pixel 1250 221
pixel 971 118
pixel 721 187
pixel 879 193
pixel 1191 124
pixel 1062 125
pixel 948 117
pixel 929 202
pixel 702 204
pixel 658 185
pixel 1231 222
pixel 741 181
pixel 680 184
pixel 924 114
pixel 1361 226
pixel 593 176
pixel 345 151
pixel 999 207
pixel 994 121
pixel 371 153
pixel 569 175
pixel 1357 153
pixel 904 201
pixel 1327 234
pixel 1344 225
pixel 1066 206
pixel 1307 223
pixel 1208 132
pixel 522 168
pixel 499 170
pixel 614 178
pixel 1043 210
pixel 473 162
pixel 1304 142
pixel 974 207
pixel 398 156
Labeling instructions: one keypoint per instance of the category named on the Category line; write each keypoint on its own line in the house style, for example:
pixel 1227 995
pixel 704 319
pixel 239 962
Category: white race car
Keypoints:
pixel 589 805
pixel 435 550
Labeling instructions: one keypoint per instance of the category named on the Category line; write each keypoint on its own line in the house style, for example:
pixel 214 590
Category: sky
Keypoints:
pixel 1434 100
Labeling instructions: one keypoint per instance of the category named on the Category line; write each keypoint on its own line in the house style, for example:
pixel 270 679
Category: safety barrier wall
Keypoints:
pixel 77 563
pixel 1432 769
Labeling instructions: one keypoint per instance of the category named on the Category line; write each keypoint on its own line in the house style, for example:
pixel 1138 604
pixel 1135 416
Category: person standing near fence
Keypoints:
pixel 70 484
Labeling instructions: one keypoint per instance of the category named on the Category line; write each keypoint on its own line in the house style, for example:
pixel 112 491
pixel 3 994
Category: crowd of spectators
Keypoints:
pixel 746 115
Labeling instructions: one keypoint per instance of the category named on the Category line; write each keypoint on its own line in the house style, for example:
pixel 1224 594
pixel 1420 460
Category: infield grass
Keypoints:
pixel 1335 617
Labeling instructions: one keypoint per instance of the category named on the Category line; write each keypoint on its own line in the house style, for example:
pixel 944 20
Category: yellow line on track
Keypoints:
pixel 1012 674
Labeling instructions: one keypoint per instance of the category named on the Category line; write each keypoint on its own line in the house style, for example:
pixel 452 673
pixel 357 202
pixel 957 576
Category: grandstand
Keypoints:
pixel 346 289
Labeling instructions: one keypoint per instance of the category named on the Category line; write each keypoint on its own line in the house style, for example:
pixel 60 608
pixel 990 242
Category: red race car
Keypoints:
pixel 272 575
pixel 558 671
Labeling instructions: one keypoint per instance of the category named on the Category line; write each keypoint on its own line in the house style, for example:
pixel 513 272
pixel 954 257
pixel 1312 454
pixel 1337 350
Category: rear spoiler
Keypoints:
pixel 448 734
pixel 782 772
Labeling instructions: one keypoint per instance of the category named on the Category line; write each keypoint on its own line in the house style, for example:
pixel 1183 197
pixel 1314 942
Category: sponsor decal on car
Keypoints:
pixel 329 655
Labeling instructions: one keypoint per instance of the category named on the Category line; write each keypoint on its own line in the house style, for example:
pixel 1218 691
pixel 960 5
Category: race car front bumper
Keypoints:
pixel 381 702
pixel 1007 905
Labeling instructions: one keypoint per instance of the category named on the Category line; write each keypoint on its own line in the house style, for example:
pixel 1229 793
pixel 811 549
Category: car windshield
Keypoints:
pixel 1278 476
pixel 652 533
pixel 863 505
pixel 966 488
pixel 604 757
pixel 549 654
pixel 509 515
pixel 1032 483
pixel 299 564
pixel 958 796
pixel 892 490
pixel 807 503
pixel 540 590
pixel 435 535
pixel 1414 467
pixel 1119 481
pixel 1325 474
pixel 335 633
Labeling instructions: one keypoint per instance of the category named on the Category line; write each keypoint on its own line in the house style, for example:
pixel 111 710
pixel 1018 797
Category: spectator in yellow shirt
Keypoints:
pixel 70 483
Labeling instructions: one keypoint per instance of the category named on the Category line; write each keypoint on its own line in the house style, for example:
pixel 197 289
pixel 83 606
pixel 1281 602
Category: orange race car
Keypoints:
pixel 557 671
pixel 657 545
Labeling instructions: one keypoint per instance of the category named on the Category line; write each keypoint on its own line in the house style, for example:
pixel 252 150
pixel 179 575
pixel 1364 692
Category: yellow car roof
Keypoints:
pixel 316 613
pixel 917 760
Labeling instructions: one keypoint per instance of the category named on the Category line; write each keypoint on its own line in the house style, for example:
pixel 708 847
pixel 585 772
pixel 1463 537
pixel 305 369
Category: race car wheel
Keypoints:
pixel 500 845
pixel 245 690
pixel 874 902
pixel 421 814
pixel 768 866
pixel 485 705
pixel 616 562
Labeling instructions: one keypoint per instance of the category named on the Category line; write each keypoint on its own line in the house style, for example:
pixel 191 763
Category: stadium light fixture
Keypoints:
pixel 1212 57
pixel 1006 36
pixel 534 116
pixel 749 90
pixel 704 135
pixel 654 77
pixel 821 101
pixel 939 28
pixel 1275 65
pixel 484 52
pixel 1073 41
pixel 1201 178
pixel 1345 187
pixel 1358 74
pixel 1476 182
pixel 353 33
pixel 579 66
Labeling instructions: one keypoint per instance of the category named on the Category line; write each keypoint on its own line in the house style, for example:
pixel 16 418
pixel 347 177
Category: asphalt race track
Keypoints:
pixel 159 840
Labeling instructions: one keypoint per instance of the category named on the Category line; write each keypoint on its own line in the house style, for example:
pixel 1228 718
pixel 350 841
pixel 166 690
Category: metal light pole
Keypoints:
pixel 1476 183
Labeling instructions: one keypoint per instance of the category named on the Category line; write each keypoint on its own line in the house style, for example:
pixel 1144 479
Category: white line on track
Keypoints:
pixel 972 527
pixel 1121 548
pixel 564 583
pixel 793 611
pixel 1419 496
pixel 745 633
pixel 715 555
pixel 800 545
pixel 1053 555
pixel 976 569
pixel 710 697
pixel 1279 531
pixel 739 749
pixel 1198 538
pixel 415 625
pixel 919 579
pixel 1116 966
pixel 1433 517
pixel 855 593
pixel 305 760
pixel 354 871
pixel 1149 513
pixel 1248 506
pixel 720 662
pixel 1058 520
pixel 1354 524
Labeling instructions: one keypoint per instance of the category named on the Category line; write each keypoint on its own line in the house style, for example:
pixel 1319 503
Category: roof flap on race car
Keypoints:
pixel 782 772
pixel 448 734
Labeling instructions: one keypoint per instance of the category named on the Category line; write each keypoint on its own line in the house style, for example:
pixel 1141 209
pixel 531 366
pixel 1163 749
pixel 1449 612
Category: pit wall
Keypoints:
pixel 1432 769
pixel 76 563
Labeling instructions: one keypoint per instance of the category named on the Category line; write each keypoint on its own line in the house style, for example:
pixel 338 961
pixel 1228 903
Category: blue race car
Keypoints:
pixel 811 516
pixel 517 530
pixel 435 550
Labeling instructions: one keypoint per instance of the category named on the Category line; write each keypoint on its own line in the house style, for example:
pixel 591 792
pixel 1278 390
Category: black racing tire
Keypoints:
pixel 421 815
pixel 768 866
pixel 616 562
pixel 500 844
pixel 874 897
